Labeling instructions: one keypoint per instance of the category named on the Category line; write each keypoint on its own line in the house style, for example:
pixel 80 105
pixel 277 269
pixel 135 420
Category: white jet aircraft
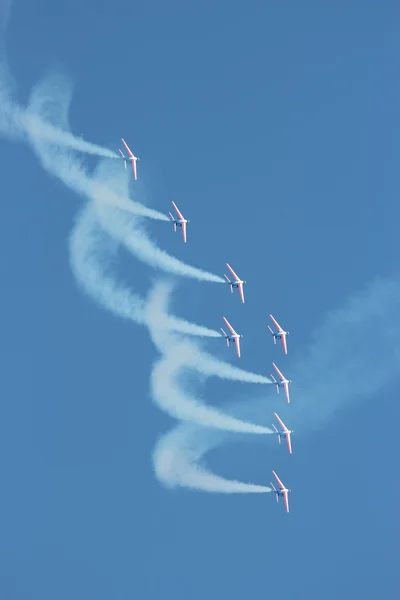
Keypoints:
pixel 280 334
pixel 232 337
pixel 283 491
pixel 130 158
pixel 180 221
pixel 282 383
pixel 284 434
pixel 237 283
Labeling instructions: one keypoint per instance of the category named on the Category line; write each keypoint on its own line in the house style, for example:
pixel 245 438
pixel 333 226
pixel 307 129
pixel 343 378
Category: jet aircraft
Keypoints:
pixel 284 434
pixel 180 221
pixel 130 158
pixel 280 334
pixel 232 337
pixel 282 383
pixel 283 491
pixel 237 283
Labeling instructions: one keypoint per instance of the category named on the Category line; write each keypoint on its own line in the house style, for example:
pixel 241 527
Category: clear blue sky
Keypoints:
pixel 274 126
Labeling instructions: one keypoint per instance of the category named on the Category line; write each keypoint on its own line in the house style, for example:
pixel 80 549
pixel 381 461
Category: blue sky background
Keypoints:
pixel 274 126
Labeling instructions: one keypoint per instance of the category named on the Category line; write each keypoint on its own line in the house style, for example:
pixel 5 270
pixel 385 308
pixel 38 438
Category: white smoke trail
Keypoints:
pixel 88 251
pixel 129 231
pixel 90 255
pixel 167 391
pixel 179 355
pixel 45 124
pixel 177 460
pixel 354 354
pixel 46 133
pixel 16 122
pixel 123 227
pixel 91 260
pixel 193 358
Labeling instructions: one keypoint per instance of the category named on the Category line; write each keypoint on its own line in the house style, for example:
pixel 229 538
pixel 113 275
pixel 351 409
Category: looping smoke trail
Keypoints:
pixel 120 225
pixel 194 358
pixel 128 229
pixel 45 124
pixel 336 369
pixel 87 242
pixel 167 391
pixel 359 345
pixel 177 462
pixel 91 259
pixel 90 254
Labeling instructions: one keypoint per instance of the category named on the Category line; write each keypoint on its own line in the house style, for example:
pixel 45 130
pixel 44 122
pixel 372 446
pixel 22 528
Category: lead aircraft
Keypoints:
pixel 283 491
pixel 284 434
pixel 280 334
pixel 283 382
pixel 237 283
pixel 180 222
pixel 130 158
pixel 232 337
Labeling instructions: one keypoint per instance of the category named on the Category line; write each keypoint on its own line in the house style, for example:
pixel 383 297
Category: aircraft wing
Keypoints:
pixel 279 328
pixel 230 326
pixel 178 212
pixel 241 292
pixel 286 386
pixel 281 377
pixel 237 344
pixel 281 423
pixel 284 344
pixel 289 442
pixel 184 231
pixel 134 169
pixel 279 481
pixel 233 272
pixel 286 499
pixel 129 151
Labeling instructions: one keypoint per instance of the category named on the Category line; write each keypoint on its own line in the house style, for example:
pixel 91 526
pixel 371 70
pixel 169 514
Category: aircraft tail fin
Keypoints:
pixel 173 221
pixel 225 336
pixel 276 431
pixel 230 282
pixel 274 488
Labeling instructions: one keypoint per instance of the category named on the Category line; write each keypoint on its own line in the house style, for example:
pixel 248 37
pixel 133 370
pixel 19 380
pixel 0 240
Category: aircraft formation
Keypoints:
pixel 233 337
